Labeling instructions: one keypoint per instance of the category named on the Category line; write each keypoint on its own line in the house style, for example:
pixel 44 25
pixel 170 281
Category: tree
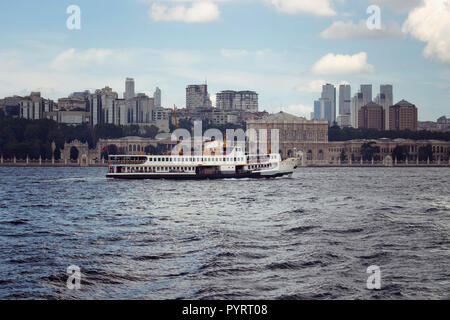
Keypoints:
pixel 150 132
pixel 425 152
pixel 336 133
pixel 369 151
pixel 131 131
pixel 343 156
pixel 400 153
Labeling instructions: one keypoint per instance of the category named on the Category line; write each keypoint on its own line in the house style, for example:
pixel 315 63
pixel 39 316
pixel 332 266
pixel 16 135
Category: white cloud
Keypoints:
pixel 197 12
pixel 342 64
pixel 349 30
pixel 72 59
pixel 234 53
pixel 300 110
pixel 399 5
pixel 431 24
pixel 313 86
pixel 317 7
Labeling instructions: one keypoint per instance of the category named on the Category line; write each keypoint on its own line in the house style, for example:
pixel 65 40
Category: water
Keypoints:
pixel 309 237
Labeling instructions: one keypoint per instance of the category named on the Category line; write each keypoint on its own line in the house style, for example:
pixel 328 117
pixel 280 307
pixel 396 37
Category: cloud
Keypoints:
pixel 342 64
pixel 317 7
pixel 76 59
pixel 349 30
pixel 313 86
pixel 234 54
pixel 431 24
pixel 197 12
pixel 299 110
pixel 399 5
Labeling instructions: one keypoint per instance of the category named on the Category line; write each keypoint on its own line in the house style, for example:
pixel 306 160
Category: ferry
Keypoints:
pixel 209 165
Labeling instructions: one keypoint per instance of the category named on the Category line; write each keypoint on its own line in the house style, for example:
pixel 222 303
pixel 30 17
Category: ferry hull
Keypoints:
pixel 253 175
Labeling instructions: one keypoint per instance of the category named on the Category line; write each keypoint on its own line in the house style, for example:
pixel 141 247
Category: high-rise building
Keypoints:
pixel 403 116
pixel 323 110
pixel 197 97
pixel 366 90
pixel 357 103
pixel 237 100
pixel 32 107
pixel 387 90
pixel 102 104
pixel 386 99
pixel 129 89
pixel 329 92
pixel 371 116
pixel 157 97
pixel 345 99
pixel 317 110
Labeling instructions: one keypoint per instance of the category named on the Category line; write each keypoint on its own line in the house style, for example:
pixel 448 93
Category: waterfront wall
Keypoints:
pixel 103 163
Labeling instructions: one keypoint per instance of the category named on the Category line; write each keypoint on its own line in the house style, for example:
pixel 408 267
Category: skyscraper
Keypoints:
pixel 322 110
pixel 129 89
pixel 366 90
pixel 317 110
pixel 329 92
pixel 157 97
pixel 345 99
pixel 386 91
pixel 357 104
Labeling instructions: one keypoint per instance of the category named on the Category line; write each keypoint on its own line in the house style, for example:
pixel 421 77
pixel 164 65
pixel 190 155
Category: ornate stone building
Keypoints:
pixel 294 132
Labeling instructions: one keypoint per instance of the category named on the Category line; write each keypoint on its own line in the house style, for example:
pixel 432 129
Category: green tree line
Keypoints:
pixel 336 133
pixel 22 137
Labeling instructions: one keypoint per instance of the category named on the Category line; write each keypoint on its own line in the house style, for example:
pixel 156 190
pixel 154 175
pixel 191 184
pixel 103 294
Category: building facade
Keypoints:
pixel 357 104
pixel 403 116
pixel 237 100
pixel 345 99
pixel 371 116
pixel 366 91
pixel 129 89
pixel 157 97
pixel 197 97
pixel 329 93
pixel 294 132
pixel 323 110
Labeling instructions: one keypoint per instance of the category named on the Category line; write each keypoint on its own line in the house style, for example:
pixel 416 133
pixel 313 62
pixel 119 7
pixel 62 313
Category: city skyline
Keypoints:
pixel 41 54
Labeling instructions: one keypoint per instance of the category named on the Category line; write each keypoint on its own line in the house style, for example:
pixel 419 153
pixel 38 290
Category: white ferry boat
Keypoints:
pixel 210 165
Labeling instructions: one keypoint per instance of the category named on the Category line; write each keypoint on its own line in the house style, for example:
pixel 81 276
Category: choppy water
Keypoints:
pixel 309 237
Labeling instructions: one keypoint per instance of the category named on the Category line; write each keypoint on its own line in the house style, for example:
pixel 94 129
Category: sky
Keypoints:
pixel 282 49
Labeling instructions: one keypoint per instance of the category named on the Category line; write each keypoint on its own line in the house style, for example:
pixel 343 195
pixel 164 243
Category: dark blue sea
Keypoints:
pixel 311 236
